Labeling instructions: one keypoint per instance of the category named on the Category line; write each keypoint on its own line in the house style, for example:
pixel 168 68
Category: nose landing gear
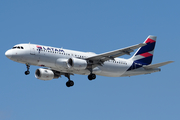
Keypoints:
pixel 27 72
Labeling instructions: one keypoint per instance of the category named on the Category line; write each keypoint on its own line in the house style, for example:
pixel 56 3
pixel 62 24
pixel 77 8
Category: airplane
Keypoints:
pixel 56 62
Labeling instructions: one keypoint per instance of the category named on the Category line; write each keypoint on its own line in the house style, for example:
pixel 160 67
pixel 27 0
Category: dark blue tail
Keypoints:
pixel 144 55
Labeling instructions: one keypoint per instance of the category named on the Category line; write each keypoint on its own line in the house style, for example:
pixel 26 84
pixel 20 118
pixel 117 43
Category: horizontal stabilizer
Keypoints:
pixel 157 65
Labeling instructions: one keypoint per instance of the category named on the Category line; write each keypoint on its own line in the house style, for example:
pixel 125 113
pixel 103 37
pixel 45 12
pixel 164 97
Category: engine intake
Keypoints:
pixel 77 64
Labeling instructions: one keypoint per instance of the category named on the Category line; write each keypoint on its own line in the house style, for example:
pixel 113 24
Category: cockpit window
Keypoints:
pixel 17 47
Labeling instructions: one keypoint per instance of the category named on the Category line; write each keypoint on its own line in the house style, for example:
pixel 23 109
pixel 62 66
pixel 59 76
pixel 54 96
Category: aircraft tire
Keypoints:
pixel 27 72
pixel 91 76
pixel 69 83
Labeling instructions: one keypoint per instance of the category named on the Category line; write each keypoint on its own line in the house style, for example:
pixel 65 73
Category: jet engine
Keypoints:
pixel 78 64
pixel 62 63
pixel 46 74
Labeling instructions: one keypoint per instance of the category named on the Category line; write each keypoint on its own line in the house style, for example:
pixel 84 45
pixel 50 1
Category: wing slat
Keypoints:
pixel 113 54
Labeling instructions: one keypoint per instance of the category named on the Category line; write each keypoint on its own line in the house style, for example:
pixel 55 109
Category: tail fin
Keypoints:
pixel 144 55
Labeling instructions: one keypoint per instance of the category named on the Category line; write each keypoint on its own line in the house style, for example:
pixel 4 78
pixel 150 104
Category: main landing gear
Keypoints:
pixel 69 83
pixel 27 72
pixel 91 76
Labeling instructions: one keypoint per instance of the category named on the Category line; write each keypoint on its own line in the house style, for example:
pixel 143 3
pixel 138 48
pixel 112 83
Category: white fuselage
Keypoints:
pixel 58 61
pixel 46 56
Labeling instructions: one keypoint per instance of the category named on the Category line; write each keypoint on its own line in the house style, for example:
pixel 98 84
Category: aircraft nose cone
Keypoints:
pixel 8 54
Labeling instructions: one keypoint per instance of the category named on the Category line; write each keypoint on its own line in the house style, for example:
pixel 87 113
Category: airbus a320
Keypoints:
pixel 56 62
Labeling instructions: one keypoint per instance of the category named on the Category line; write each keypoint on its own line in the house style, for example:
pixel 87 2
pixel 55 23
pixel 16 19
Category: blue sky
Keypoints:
pixel 97 26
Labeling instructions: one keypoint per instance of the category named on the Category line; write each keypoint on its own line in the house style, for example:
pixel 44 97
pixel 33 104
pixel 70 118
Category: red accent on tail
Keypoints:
pixel 146 54
pixel 150 41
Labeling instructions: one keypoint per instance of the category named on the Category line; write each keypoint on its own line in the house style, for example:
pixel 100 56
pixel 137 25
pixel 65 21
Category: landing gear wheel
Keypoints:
pixel 27 72
pixel 91 76
pixel 69 83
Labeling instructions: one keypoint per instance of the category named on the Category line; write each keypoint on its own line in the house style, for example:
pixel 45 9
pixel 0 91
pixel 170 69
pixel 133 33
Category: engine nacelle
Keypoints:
pixel 62 63
pixel 77 64
pixel 45 74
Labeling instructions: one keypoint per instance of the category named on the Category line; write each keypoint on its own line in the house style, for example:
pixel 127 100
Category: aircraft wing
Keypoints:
pixel 116 53
pixel 157 65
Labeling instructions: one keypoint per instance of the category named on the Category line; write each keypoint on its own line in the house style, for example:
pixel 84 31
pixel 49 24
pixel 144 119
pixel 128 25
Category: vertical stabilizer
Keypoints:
pixel 144 55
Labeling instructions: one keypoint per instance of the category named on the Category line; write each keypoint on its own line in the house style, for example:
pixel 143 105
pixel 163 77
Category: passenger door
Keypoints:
pixel 32 49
